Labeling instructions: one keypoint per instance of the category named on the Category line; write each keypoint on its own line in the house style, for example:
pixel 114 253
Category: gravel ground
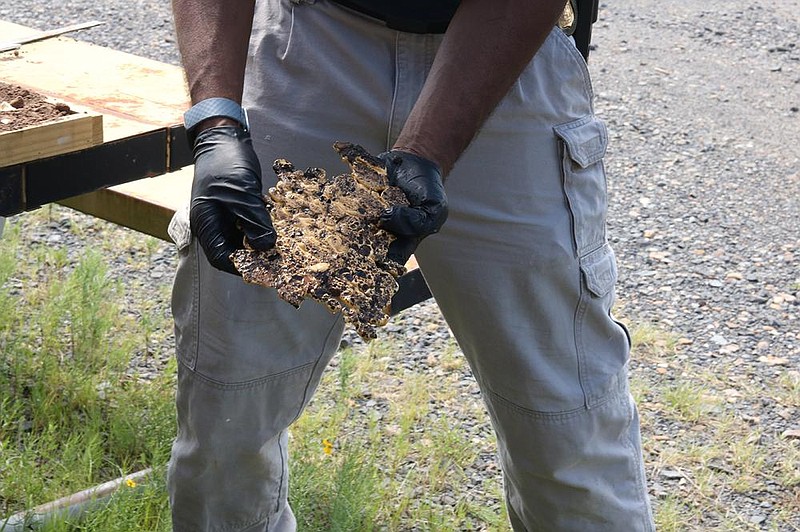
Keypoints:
pixel 702 100
pixel 702 104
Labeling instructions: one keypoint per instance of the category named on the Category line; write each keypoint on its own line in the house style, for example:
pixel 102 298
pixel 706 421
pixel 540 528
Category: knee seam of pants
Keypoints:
pixel 245 384
pixel 229 527
pixel 555 417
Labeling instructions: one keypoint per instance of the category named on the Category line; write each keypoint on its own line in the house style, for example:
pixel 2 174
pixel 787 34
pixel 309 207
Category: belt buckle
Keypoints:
pixel 568 20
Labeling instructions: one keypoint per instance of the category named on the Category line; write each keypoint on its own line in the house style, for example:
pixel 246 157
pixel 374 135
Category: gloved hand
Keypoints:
pixel 226 196
pixel 421 180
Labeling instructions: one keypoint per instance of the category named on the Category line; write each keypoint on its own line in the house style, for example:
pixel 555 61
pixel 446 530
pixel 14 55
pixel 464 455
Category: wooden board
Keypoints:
pixel 133 94
pixel 146 205
pixel 63 135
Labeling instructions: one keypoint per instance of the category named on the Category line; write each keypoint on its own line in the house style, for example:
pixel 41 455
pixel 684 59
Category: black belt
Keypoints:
pixel 577 20
pixel 405 22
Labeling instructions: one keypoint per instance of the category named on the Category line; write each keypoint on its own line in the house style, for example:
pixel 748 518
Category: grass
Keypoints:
pixel 72 414
pixel 704 446
pixel 376 445
pixel 395 458
pixel 381 447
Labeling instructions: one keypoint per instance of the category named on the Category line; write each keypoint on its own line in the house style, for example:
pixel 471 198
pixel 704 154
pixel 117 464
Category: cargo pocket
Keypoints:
pixel 603 343
pixel 599 270
pixel 583 144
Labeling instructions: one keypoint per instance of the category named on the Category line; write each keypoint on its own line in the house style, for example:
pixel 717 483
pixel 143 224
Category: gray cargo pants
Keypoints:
pixel 521 270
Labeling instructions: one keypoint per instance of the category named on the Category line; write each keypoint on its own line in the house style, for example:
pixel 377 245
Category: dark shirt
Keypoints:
pixel 415 16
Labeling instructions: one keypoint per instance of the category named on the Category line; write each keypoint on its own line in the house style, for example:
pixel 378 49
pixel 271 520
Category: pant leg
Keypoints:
pixel 248 362
pixel 525 278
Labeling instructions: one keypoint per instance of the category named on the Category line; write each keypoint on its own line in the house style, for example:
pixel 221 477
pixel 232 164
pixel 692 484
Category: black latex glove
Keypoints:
pixel 421 180
pixel 226 196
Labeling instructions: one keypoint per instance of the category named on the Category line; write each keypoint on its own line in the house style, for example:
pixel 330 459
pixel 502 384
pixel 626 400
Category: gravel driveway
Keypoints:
pixel 705 168
pixel 702 100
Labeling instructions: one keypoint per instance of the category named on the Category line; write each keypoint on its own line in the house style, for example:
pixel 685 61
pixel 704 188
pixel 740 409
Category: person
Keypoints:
pixel 489 95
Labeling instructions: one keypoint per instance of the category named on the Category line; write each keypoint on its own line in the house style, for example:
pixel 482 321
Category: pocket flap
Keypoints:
pixel 600 270
pixel 586 139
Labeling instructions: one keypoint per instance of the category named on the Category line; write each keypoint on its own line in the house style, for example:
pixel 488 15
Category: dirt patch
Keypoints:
pixel 21 108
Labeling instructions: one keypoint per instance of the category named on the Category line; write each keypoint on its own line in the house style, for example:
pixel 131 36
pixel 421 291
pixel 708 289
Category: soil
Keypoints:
pixel 21 108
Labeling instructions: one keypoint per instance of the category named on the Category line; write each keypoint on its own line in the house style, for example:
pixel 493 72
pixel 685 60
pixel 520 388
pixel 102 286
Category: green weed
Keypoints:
pixel 71 415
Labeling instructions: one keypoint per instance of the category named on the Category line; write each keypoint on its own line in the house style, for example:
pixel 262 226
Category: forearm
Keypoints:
pixel 213 37
pixel 485 49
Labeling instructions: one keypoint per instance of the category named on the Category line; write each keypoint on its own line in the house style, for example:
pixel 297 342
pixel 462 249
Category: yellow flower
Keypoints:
pixel 327 446
pixel 130 483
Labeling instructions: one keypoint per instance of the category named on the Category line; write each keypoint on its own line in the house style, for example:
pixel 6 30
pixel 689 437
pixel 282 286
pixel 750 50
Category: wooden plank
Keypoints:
pixel 146 205
pixel 63 135
pixel 133 93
